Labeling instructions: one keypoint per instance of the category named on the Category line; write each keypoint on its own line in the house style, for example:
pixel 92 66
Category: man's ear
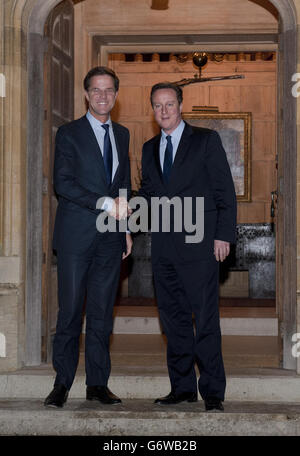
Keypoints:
pixel 86 96
pixel 180 107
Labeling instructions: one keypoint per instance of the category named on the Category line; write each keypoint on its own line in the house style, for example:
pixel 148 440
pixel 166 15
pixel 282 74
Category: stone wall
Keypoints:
pixel 297 5
pixel 12 185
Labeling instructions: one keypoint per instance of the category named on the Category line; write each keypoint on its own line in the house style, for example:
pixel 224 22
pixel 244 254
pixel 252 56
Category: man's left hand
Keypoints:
pixel 221 250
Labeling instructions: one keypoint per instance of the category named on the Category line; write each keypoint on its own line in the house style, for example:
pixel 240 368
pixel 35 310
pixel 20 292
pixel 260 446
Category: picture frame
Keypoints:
pixel 235 130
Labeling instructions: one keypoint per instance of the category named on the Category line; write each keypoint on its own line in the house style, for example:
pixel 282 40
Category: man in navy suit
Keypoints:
pixel 188 163
pixel 91 166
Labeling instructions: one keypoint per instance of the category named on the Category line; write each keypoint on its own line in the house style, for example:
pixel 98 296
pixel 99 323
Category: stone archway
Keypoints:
pixel 35 61
pixel 287 177
pixel 37 14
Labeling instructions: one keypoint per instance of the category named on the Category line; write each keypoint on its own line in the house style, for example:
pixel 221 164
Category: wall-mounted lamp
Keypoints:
pixel 200 59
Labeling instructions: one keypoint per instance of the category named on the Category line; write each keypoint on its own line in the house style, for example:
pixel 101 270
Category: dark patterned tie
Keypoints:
pixel 168 160
pixel 107 154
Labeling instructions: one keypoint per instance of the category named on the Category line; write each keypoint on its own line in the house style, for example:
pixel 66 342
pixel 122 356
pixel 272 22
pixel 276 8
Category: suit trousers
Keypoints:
pixel 91 278
pixel 184 289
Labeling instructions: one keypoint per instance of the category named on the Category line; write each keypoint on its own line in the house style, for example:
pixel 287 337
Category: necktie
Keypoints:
pixel 107 154
pixel 168 160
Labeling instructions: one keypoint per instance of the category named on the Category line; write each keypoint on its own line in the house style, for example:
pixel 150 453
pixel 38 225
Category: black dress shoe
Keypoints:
pixel 57 397
pixel 173 398
pixel 101 394
pixel 213 403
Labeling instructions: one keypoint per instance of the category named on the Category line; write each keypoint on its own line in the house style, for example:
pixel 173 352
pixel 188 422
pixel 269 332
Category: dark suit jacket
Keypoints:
pixel 200 168
pixel 79 181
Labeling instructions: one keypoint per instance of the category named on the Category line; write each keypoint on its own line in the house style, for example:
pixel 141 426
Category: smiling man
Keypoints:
pixel 91 162
pixel 189 162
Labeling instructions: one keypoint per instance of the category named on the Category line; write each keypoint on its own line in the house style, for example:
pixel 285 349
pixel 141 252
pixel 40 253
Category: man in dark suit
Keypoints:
pixel 91 166
pixel 188 163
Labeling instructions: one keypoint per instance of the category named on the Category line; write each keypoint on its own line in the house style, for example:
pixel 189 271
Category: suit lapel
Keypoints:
pixel 118 141
pixel 156 147
pixel 183 146
pixel 157 166
pixel 182 150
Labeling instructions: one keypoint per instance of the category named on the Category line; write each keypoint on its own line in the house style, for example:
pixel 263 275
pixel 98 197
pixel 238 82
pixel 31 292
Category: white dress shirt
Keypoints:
pixel 100 133
pixel 175 139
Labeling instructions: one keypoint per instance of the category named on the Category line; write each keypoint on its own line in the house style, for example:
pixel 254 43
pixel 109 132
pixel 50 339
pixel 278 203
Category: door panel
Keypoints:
pixel 59 109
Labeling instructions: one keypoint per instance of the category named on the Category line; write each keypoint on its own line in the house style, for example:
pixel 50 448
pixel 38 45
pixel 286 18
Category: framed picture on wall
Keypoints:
pixel 235 132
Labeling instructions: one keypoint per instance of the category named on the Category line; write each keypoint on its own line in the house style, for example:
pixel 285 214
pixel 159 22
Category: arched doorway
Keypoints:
pixel 286 185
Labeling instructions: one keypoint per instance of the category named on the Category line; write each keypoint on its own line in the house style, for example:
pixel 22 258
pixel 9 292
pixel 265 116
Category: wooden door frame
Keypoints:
pixel 287 140
pixel 287 179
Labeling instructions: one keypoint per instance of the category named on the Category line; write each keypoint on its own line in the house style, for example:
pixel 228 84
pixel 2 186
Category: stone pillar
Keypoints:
pixel 12 188
pixel 297 5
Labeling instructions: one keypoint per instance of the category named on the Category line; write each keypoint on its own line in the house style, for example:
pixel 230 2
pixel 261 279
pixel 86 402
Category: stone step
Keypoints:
pixel 143 418
pixel 260 385
pixel 139 371
pixel 235 321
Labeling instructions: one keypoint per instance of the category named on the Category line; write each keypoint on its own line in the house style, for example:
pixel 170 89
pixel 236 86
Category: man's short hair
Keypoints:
pixel 167 85
pixel 100 71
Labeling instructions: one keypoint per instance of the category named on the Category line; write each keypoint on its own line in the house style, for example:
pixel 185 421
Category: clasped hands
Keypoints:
pixel 120 209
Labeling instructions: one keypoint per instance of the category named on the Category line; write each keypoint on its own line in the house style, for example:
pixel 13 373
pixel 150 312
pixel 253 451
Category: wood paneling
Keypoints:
pixel 235 285
pixel 230 16
pixel 264 133
pixel 259 99
pixel 263 179
pixel 228 100
pixel 129 103
pixel 255 93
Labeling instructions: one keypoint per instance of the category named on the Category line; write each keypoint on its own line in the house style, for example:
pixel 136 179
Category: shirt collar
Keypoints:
pixel 95 122
pixel 176 134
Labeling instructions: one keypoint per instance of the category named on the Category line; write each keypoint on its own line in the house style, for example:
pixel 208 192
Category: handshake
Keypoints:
pixel 119 208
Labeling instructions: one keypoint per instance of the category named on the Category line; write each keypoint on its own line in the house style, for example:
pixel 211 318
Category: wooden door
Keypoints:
pixel 59 109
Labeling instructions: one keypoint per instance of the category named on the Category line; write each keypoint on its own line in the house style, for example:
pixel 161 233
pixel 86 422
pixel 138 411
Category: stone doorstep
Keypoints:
pixel 143 418
pixel 260 387
pixel 139 371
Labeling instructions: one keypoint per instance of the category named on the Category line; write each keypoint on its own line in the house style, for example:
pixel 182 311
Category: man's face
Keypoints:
pixel 101 96
pixel 167 110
